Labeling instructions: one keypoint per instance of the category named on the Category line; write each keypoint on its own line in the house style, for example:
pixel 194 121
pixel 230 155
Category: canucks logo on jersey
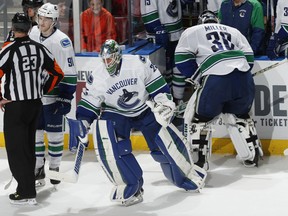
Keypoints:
pixel 172 9
pixel 65 42
pixel 124 101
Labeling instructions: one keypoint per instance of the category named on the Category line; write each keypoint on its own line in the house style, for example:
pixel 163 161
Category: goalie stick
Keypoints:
pixel 9 183
pixel 270 67
pixel 72 176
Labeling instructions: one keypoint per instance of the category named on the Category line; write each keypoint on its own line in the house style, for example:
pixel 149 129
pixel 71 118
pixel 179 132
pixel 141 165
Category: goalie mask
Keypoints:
pixel 21 23
pixel 50 11
pixel 207 17
pixel 111 55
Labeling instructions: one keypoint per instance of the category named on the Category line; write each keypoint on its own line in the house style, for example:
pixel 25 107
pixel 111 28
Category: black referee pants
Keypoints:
pixel 20 122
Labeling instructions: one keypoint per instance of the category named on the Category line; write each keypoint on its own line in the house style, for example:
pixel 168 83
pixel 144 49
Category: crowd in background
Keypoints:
pixel 103 19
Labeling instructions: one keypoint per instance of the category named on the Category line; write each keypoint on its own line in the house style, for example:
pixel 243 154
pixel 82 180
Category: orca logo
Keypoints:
pixel 172 9
pixel 90 79
pixel 124 100
pixel 242 13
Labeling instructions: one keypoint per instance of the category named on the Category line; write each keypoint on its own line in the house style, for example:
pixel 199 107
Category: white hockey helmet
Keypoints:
pixel 207 16
pixel 50 11
pixel 111 55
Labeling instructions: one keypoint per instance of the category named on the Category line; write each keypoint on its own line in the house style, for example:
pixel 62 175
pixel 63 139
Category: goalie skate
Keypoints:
pixel 137 198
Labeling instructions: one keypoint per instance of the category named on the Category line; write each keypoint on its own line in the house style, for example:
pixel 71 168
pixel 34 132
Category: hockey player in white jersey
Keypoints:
pixel 278 44
pixel 220 59
pixel 163 20
pixel 57 103
pixel 116 94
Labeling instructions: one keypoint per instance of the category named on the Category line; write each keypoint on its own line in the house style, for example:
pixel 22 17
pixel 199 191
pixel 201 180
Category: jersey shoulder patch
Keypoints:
pixel 142 59
pixel 65 42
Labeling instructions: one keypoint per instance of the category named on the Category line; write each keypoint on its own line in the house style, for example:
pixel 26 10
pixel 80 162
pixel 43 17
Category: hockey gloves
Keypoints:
pixel 163 109
pixel 161 36
pixel 62 106
pixel 272 51
pixel 78 132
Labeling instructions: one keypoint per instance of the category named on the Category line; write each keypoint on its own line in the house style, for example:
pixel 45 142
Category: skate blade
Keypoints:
pixel 40 183
pixel 133 201
pixel 30 202
pixel 249 164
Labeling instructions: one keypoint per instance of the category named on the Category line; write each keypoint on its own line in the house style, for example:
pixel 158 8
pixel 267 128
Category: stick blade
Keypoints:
pixel 65 177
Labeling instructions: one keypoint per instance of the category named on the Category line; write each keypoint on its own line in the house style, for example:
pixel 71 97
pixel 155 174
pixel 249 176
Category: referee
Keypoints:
pixel 30 71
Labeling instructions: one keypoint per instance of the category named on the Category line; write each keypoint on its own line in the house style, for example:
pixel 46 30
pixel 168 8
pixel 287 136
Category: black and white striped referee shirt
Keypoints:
pixel 29 68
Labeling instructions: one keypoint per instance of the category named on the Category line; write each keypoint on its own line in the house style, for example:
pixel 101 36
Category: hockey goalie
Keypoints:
pixel 115 96
pixel 219 60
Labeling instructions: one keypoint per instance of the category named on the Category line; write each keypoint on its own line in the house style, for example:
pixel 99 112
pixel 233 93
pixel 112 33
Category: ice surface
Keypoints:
pixel 231 190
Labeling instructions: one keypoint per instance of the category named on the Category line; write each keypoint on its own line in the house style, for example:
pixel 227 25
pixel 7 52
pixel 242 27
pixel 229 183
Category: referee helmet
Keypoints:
pixel 21 23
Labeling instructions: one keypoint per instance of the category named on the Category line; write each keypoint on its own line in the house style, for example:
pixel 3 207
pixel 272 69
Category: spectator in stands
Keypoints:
pixel 97 25
pixel 247 17
pixel 65 23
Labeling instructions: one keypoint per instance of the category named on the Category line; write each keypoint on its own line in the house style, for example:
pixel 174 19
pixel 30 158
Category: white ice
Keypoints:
pixel 231 190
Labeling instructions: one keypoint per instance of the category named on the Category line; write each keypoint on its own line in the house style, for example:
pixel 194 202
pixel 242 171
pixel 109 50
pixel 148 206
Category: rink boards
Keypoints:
pixel 269 109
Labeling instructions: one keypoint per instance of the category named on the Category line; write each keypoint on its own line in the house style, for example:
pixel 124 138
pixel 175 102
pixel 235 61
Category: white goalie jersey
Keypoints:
pixel 225 49
pixel 124 93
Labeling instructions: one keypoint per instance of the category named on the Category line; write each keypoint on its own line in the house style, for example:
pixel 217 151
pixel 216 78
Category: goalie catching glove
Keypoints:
pixel 163 108
pixel 78 132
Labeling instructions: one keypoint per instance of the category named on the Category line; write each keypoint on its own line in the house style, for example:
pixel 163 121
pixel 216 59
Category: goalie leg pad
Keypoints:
pixel 118 162
pixel 178 166
pixel 201 143
pixel 244 137
pixel 189 114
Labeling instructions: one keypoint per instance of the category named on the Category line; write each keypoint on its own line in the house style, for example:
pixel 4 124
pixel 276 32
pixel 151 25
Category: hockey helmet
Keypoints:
pixel 21 23
pixel 111 55
pixel 32 3
pixel 50 11
pixel 207 16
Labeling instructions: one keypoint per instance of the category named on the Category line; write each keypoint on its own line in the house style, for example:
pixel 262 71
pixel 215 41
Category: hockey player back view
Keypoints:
pixel 220 59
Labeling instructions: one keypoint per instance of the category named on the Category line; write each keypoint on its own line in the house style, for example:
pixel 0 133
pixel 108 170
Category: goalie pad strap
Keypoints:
pixel 252 138
pixel 200 142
